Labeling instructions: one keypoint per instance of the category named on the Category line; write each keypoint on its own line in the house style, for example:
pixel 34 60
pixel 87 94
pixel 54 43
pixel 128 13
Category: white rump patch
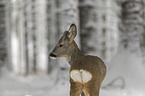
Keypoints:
pixel 81 76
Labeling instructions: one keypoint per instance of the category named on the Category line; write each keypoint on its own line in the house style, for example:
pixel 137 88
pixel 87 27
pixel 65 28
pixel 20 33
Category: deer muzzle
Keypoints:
pixel 52 56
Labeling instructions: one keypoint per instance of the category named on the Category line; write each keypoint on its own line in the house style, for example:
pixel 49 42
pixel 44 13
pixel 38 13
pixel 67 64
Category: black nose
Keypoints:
pixel 52 55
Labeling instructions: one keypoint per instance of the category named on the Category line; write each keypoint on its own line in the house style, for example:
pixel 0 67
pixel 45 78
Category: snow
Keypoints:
pixel 124 64
pixel 124 92
pixel 13 85
pixel 130 67
pixel 34 85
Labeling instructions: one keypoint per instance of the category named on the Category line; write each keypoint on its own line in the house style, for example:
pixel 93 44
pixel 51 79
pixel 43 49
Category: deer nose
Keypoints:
pixel 52 55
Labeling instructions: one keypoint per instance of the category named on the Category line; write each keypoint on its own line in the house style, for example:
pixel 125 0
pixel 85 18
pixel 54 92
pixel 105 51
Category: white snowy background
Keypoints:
pixel 113 30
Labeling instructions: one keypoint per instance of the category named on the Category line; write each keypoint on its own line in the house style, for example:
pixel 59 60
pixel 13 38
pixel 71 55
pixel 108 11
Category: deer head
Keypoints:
pixel 66 42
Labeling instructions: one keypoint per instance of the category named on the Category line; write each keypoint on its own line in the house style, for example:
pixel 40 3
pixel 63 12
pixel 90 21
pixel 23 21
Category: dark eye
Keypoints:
pixel 60 45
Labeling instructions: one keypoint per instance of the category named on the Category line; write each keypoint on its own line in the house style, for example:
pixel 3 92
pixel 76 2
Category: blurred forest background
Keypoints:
pixel 114 30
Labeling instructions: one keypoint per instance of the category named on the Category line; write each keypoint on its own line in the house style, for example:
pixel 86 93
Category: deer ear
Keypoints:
pixel 72 32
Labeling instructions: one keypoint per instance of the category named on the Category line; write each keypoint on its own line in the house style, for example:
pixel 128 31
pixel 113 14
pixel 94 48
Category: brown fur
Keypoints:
pixel 67 48
pixel 96 67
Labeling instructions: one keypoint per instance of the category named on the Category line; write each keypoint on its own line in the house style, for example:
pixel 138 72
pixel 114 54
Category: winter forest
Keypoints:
pixel 113 30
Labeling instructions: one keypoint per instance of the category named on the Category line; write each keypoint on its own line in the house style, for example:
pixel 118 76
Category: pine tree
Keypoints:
pixel 3 52
pixel 127 62
pixel 132 24
pixel 98 27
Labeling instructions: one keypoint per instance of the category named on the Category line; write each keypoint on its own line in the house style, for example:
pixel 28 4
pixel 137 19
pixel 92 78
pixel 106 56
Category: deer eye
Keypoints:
pixel 60 45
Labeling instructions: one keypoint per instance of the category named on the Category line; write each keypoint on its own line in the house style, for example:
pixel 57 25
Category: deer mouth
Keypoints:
pixel 52 56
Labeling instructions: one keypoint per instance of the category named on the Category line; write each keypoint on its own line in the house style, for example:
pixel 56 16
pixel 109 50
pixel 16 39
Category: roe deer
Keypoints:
pixel 86 72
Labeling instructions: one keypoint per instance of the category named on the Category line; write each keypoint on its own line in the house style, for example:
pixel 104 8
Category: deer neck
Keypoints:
pixel 74 53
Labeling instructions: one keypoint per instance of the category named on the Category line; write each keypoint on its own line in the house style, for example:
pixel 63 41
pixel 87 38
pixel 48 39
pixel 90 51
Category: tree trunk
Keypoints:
pixel 3 53
pixel 29 37
pixel 67 13
pixel 52 33
pixel 41 36
pixel 88 24
pixel 142 39
pixel 8 33
pixel 98 26
pixel 132 25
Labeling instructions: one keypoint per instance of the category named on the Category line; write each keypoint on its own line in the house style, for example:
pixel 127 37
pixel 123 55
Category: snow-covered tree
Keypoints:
pixel 41 36
pixel 107 28
pixel 128 61
pixel 29 36
pixel 88 26
pixel 3 52
pixel 98 26
pixel 142 39
pixel 29 32
pixel 67 13
pixel 8 33
pixel 132 24
pixel 52 32
pixel 18 58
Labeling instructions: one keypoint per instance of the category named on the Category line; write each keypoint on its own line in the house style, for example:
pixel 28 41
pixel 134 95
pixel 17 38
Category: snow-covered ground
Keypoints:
pixel 12 85
pixel 126 65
